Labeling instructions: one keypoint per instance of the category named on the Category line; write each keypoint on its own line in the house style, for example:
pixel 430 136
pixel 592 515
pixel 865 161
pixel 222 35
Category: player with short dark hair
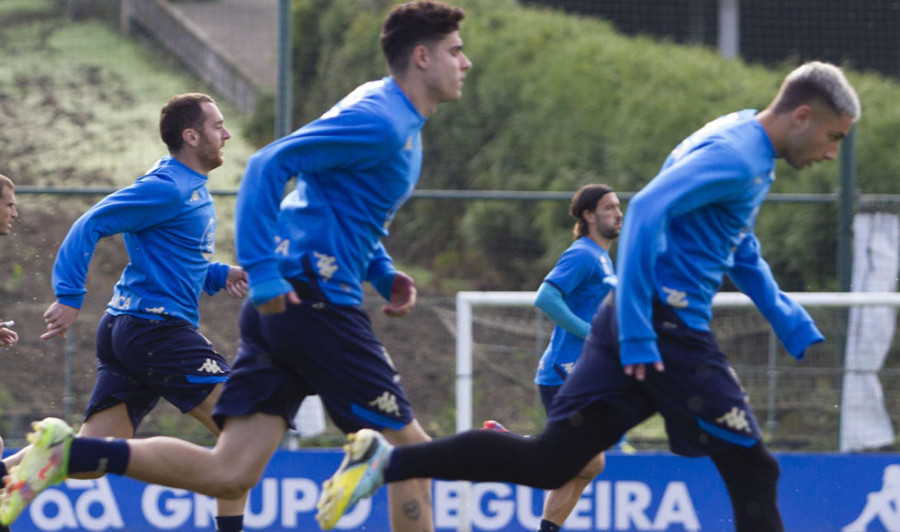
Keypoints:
pixel 687 229
pixel 303 331
pixel 148 343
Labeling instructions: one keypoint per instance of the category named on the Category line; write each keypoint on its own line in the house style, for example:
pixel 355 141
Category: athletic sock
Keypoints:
pixel 3 471
pixel 89 455
pixel 548 526
pixel 230 523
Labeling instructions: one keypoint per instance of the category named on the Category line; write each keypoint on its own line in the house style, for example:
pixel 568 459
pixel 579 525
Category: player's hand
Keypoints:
pixel 58 318
pixel 236 283
pixel 8 336
pixel 639 371
pixel 278 304
pixel 403 296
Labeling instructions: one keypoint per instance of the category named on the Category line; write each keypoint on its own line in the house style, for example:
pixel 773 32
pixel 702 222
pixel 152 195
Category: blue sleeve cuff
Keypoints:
pixel 801 338
pixel 74 301
pixel 639 351
pixel 216 277
pixel 268 290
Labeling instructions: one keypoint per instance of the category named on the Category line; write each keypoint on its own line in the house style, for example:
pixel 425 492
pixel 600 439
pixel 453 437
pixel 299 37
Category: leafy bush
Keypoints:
pixel 555 101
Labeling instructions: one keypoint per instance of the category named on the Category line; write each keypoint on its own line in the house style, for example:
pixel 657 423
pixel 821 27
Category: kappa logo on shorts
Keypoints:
pixel 211 366
pixel 735 419
pixel 387 403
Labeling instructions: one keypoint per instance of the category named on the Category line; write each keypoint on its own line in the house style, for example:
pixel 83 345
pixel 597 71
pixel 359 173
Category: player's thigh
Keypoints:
pixel 112 422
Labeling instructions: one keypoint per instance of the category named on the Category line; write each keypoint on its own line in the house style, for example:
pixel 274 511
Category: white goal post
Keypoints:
pixel 465 301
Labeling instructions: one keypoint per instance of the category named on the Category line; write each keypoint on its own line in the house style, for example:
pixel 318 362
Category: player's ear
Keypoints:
pixel 420 56
pixel 190 136
pixel 801 114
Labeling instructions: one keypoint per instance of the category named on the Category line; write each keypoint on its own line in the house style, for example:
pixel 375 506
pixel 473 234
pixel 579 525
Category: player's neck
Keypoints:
pixel 600 240
pixel 417 93
pixel 188 159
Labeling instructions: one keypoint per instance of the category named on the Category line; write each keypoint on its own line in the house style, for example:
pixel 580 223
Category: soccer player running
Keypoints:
pixel 8 213
pixel 303 331
pixel 690 226
pixel 148 345
pixel 570 295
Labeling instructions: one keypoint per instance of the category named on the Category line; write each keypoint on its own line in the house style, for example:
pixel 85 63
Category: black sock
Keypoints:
pixel 105 455
pixel 548 526
pixel 230 523
pixel 3 471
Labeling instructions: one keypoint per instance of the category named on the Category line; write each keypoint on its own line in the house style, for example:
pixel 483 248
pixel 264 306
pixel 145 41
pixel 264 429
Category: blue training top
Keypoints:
pixel 584 276
pixel 169 225
pixel 355 166
pixel 692 224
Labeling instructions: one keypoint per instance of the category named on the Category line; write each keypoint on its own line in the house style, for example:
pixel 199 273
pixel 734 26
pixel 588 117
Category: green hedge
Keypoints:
pixel 555 101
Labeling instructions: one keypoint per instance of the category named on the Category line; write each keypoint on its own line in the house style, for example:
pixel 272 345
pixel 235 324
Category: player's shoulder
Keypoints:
pixel 168 179
pixel 379 108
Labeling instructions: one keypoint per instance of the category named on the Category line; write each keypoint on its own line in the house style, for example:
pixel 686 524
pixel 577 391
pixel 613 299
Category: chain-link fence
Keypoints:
pixel 863 33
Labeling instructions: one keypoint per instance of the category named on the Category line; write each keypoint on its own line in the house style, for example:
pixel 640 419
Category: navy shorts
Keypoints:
pixel 141 360
pixel 314 348
pixel 704 407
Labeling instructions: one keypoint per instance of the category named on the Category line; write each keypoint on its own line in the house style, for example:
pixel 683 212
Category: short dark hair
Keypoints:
pixel 5 183
pixel 585 199
pixel 182 111
pixel 413 23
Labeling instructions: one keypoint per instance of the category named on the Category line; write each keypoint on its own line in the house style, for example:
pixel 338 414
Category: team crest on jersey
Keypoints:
pixel 195 196
pixel 326 265
pixel 409 143
pixel 675 298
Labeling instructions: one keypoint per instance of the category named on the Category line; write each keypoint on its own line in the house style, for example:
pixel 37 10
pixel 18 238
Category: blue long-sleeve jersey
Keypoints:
pixel 692 224
pixel 168 222
pixel 583 276
pixel 355 166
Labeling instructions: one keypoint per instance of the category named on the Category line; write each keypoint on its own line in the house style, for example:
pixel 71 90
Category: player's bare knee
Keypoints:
pixel 233 484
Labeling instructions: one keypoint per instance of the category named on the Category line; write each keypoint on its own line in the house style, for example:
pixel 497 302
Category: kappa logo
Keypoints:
pixel 883 505
pixel 735 419
pixel 211 366
pixel 326 264
pixel 675 298
pixel 568 367
pixel 387 403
